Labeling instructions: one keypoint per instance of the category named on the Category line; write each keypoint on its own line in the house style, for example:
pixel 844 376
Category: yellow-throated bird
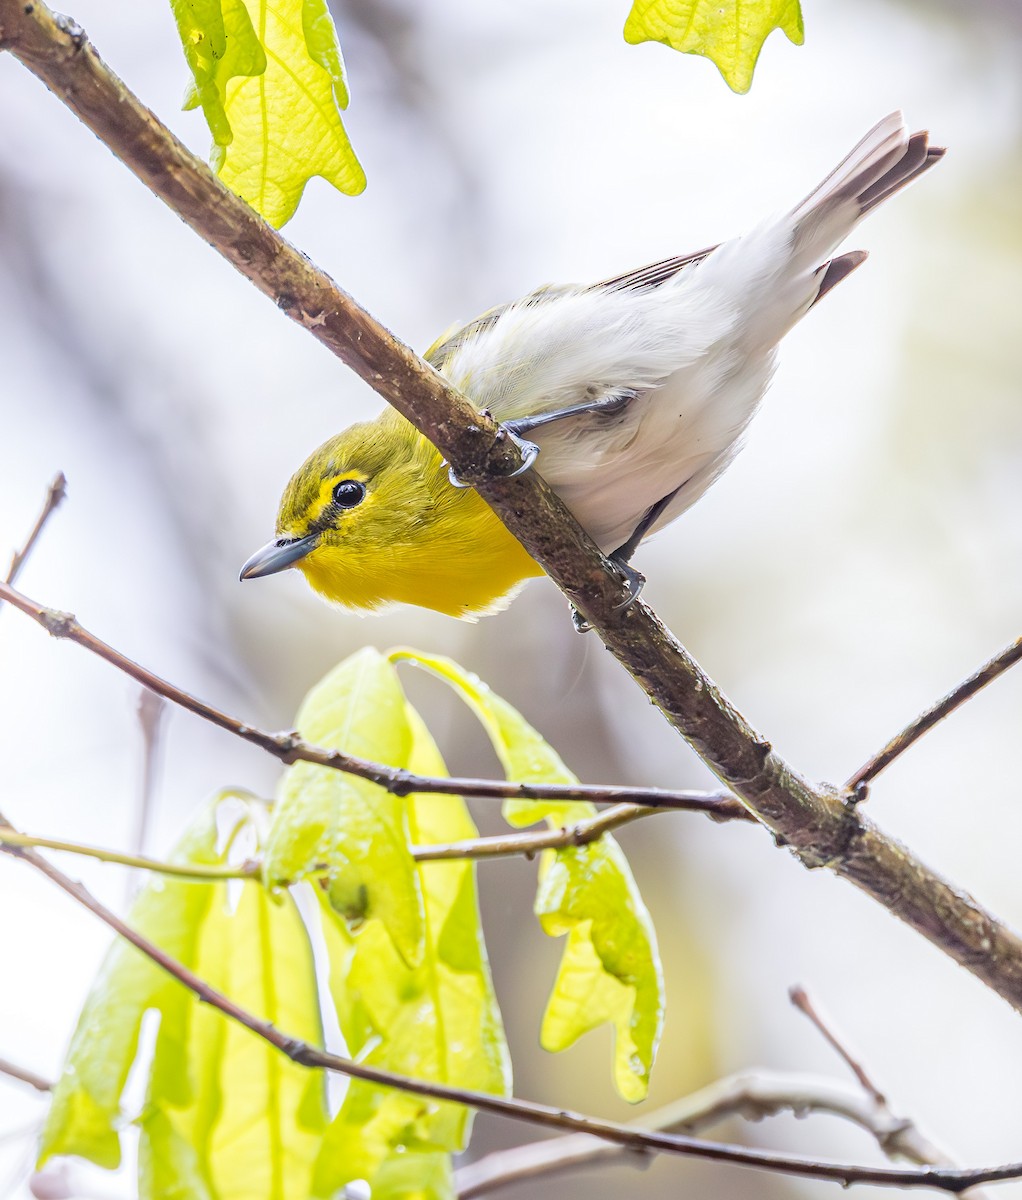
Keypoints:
pixel 635 390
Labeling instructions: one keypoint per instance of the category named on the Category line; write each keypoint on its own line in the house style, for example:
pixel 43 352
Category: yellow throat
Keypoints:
pixel 408 536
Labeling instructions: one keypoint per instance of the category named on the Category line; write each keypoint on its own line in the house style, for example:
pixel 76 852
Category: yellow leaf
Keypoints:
pixel 730 33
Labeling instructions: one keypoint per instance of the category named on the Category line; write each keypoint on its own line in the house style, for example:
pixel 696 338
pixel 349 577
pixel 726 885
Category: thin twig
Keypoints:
pixel 501 846
pixel 952 1181
pixel 912 732
pixel 55 493
pixel 898 1137
pixel 799 997
pixel 24 1075
pixel 140 862
pixel 291 748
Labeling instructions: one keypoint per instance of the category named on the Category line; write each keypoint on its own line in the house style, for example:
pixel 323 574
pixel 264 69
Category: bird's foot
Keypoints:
pixel 634 581
pixel 528 450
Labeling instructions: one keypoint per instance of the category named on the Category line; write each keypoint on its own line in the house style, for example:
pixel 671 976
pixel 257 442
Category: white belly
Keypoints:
pixel 677 438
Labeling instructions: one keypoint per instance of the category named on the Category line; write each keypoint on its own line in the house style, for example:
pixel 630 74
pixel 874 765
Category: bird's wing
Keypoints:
pixel 655 274
pixel 641 279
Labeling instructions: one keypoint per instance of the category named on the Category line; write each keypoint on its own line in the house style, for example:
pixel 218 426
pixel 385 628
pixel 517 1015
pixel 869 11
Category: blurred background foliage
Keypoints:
pixel 862 554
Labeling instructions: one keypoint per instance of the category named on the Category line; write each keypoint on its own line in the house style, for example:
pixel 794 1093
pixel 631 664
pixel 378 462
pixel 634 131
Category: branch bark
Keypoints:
pixel 814 821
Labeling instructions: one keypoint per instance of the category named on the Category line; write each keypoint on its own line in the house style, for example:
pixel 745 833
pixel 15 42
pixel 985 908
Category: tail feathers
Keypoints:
pixel 839 268
pixel 919 156
pixel 881 164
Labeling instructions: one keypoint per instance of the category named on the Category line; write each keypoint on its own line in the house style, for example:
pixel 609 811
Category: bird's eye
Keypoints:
pixel 348 493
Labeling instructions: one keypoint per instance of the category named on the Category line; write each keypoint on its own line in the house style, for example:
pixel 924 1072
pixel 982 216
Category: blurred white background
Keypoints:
pixel 863 553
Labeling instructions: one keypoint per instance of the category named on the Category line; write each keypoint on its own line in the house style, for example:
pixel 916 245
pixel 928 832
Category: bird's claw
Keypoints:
pixel 528 450
pixel 579 623
pixel 634 581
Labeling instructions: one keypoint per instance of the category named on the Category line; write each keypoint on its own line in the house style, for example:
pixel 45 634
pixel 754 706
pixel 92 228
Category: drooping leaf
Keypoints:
pixel 730 33
pixel 84 1114
pixel 219 43
pixel 437 1021
pixel 610 970
pixel 525 756
pixel 286 121
pixel 226 1115
pixel 350 833
pixel 251 1119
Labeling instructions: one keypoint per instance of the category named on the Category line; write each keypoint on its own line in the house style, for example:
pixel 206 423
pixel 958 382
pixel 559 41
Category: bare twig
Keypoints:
pixel 290 748
pixel 24 1075
pixel 912 732
pixel 749 1094
pixel 502 846
pixel 953 1181
pixel 800 999
pixel 55 493
pixel 898 1137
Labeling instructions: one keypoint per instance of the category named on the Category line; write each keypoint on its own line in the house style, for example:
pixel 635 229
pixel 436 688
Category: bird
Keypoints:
pixel 629 396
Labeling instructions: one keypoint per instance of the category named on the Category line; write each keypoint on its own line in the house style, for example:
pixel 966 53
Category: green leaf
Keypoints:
pixel 522 752
pixel 730 33
pixel 226 1115
pixel 286 121
pixel 85 1111
pixel 350 833
pixel 611 967
pixel 610 970
pixel 219 43
pixel 438 1021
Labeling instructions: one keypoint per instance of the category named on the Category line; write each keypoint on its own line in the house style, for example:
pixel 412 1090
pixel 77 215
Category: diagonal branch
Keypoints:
pixel 55 494
pixel 951 1180
pixel 814 821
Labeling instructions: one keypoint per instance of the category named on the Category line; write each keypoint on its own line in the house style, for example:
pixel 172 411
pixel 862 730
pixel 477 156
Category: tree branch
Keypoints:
pixel 936 713
pixel 290 748
pixel 813 821
pixel 750 1094
pixel 949 1180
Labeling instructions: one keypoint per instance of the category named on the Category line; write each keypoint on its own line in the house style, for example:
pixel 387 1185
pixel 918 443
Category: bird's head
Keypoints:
pixel 346 508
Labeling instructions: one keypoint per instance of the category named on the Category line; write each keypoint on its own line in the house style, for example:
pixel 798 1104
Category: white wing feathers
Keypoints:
pixel 694 343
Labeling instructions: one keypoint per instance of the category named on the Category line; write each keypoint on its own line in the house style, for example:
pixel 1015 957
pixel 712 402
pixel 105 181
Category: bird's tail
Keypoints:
pixel 774 274
pixel 881 164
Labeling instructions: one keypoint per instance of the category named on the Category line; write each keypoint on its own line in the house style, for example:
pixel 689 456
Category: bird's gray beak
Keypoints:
pixel 276 556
